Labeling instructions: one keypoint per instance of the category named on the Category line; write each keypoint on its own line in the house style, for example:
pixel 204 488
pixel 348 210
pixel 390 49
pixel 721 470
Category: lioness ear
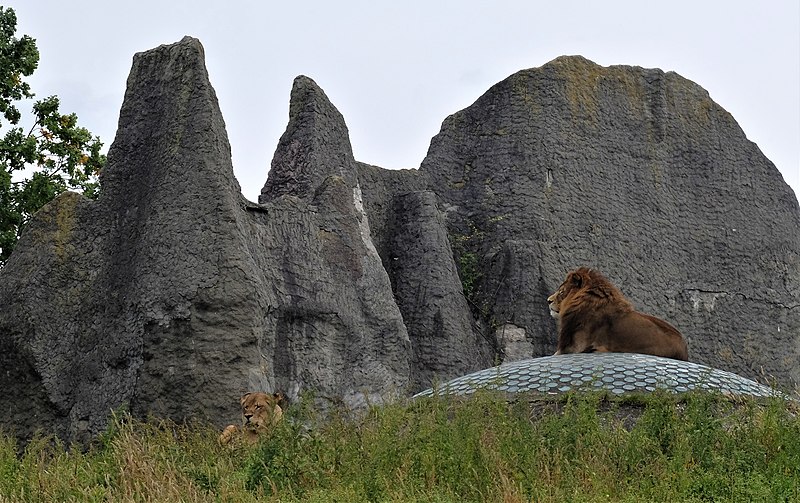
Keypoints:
pixel 244 397
pixel 281 398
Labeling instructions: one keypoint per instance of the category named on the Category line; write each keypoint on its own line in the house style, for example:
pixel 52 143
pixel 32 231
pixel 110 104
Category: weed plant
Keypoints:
pixel 582 448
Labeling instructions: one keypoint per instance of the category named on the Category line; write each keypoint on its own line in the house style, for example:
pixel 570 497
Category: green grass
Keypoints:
pixel 482 449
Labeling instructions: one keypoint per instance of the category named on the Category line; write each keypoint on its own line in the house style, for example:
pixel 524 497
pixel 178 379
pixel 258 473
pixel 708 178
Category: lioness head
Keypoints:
pixel 575 280
pixel 260 410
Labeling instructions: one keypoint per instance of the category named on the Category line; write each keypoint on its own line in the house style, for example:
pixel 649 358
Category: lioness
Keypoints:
pixel 260 413
pixel 593 315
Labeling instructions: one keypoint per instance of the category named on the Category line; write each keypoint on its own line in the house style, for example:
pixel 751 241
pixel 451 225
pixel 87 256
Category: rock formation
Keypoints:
pixel 172 294
pixel 639 173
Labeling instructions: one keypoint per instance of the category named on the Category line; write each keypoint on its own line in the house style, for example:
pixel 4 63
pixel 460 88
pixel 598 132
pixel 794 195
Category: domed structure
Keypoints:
pixel 617 373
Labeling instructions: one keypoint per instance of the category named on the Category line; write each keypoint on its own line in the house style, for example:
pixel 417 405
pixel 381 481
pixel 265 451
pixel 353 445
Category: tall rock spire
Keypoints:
pixel 142 274
pixel 315 145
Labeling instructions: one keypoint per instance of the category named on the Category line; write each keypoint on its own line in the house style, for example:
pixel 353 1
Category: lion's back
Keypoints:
pixel 637 332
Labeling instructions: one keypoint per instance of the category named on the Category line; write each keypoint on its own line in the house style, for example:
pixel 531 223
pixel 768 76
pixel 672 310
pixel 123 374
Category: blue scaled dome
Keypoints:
pixel 618 373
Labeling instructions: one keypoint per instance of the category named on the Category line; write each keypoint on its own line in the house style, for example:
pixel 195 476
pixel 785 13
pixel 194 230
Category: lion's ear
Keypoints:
pixel 280 397
pixel 244 397
pixel 576 279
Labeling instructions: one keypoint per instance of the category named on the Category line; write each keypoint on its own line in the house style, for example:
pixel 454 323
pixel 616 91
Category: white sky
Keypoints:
pixel 396 69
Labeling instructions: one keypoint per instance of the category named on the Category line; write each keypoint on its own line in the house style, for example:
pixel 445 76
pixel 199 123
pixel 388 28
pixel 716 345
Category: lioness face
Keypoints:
pixel 572 283
pixel 260 410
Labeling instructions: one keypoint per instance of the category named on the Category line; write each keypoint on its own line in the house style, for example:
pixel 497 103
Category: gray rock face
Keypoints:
pixel 173 295
pixel 430 295
pixel 640 174
pixel 410 232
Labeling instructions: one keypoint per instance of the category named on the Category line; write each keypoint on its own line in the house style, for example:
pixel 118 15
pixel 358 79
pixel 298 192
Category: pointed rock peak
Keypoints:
pixel 307 97
pixel 171 133
pixel 315 145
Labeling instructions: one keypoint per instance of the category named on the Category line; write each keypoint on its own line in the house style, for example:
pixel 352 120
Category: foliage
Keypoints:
pixel 465 250
pixel 581 448
pixel 54 155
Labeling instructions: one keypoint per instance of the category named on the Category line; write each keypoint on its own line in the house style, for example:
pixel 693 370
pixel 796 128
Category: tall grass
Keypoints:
pixel 581 448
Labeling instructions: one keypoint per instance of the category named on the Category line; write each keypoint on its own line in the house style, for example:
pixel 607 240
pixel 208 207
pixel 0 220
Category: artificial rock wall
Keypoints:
pixel 172 294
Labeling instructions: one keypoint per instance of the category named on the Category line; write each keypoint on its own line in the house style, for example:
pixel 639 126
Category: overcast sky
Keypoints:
pixel 396 69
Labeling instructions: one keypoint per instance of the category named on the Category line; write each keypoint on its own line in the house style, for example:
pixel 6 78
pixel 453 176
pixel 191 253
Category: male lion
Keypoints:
pixel 593 315
pixel 260 413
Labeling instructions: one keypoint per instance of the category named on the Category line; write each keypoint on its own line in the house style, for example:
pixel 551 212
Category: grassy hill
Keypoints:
pixel 584 448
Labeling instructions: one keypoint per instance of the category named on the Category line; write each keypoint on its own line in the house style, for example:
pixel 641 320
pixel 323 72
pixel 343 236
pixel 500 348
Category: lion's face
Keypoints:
pixel 260 410
pixel 570 285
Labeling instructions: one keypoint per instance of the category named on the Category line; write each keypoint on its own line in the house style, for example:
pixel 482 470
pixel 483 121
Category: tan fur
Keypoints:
pixel 260 413
pixel 594 316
